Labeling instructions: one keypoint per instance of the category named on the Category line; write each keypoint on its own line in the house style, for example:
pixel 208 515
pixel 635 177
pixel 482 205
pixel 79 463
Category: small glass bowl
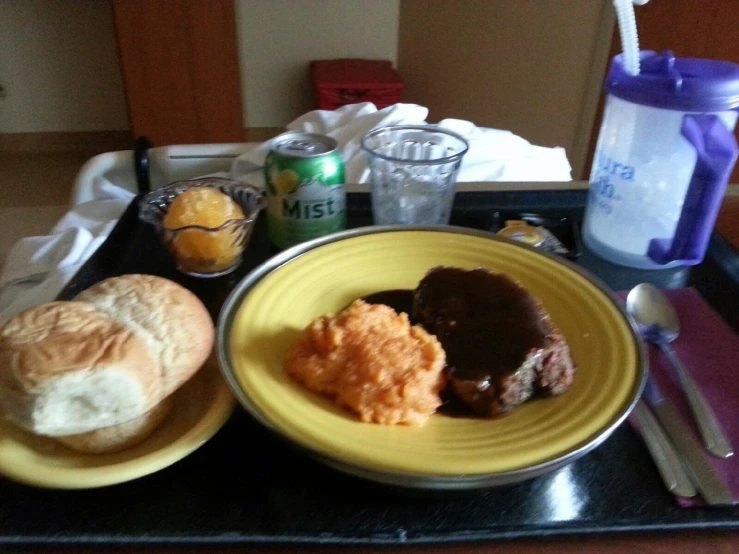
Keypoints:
pixel 204 251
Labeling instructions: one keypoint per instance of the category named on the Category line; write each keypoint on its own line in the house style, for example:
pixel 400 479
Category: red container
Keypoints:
pixel 348 81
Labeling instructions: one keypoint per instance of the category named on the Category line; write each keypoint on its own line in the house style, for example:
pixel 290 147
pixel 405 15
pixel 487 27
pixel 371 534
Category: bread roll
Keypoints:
pixel 119 437
pixel 68 368
pixel 170 319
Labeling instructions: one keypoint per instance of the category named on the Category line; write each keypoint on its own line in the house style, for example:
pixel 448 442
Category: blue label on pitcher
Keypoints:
pixel 612 167
pixel 607 175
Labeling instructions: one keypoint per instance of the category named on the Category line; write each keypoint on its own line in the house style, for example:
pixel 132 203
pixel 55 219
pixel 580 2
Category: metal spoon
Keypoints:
pixel 660 325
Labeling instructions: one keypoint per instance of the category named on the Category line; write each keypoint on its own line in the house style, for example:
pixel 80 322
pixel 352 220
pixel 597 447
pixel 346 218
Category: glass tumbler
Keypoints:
pixel 413 173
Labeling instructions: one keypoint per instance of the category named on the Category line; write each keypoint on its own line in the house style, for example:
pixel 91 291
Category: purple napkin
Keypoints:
pixel 709 350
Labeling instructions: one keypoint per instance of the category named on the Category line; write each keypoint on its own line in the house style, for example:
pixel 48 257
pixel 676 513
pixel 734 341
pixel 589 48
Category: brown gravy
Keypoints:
pixel 400 300
pixel 487 324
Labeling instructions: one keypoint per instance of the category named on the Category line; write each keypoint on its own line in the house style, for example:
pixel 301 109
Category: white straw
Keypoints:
pixel 627 30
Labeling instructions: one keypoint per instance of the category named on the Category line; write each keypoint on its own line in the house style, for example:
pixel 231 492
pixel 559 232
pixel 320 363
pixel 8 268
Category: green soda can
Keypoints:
pixel 306 199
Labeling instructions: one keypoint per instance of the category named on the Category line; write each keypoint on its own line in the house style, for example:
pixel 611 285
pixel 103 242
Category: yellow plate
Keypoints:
pixel 200 408
pixel 261 321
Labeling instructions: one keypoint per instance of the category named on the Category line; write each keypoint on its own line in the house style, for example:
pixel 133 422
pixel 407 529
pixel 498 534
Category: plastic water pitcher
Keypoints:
pixel 664 155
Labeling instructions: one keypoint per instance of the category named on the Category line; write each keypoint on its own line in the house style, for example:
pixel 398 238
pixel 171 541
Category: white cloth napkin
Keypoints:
pixel 494 155
pixel 37 268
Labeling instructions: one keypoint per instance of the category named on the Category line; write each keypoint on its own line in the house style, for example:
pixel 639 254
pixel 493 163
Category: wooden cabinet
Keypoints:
pixel 180 67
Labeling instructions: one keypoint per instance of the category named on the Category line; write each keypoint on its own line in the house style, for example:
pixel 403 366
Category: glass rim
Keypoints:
pixel 431 128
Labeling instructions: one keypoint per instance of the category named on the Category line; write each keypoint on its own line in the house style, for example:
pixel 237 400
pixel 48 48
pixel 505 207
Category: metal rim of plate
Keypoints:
pixel 395 478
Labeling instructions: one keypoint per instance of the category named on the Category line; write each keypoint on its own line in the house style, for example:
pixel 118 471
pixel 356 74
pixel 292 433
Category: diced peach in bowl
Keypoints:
pixel 204 223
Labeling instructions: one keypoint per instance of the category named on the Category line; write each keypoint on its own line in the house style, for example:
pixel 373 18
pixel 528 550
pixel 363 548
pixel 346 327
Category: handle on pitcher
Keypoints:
pixel 717 151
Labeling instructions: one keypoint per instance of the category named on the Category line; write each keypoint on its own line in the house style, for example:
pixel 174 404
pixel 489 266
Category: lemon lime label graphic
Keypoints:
pixel 286 181
pixel 304 188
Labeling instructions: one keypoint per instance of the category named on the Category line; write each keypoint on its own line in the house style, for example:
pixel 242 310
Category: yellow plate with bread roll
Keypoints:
pixel 112 386
pixel 266 313
pixel 199 409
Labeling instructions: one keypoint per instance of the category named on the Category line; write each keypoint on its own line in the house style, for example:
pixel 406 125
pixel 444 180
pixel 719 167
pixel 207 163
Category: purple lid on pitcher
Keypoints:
pixel 683 84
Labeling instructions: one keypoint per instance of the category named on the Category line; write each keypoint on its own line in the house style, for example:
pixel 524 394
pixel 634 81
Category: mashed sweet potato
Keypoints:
pixel 370 360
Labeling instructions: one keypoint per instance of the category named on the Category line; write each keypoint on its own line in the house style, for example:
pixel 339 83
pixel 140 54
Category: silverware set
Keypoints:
pixel 680 459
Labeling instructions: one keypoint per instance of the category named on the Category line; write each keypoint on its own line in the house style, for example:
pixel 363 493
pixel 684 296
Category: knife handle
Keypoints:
pixel 710 485
pixel 663 453
pixel 709 427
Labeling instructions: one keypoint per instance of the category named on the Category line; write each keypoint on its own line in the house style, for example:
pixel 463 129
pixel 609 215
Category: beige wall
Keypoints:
pixel 533 67
pixel 277 39
pixel 59 66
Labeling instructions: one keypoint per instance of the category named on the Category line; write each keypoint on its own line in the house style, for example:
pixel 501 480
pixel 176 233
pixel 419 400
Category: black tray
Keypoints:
pixel 245 486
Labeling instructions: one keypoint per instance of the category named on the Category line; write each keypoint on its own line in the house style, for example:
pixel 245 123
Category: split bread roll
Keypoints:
pixel 170 319
pixel 105 359
pixel 119 437
pixel 68 368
